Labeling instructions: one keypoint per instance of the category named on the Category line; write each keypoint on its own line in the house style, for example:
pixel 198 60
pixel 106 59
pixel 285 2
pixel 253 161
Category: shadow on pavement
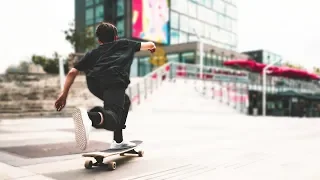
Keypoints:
pixel 97 172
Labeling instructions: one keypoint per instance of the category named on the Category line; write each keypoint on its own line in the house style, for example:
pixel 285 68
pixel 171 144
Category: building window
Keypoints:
pixel 207 30
pixel 231 11
pixel 120 27
pixel 120 8
pixel 192 25
pixel 174 35
pixel 173 57
pixel 213 17
pixel 179 5
pixel 201 29
pixel 99 1
pixel 192 38
pixel 184 23
pixel 99 13
pixel 89 16
pixel 202 13
pixel 218 5
pixel 222 21
pixel 198 27
pixel 208 3
pixel 89 3
pixel 188 57
pixel 192 9
pixel 234 26
pixel 183 37
pixel 174 20
pixel 214 33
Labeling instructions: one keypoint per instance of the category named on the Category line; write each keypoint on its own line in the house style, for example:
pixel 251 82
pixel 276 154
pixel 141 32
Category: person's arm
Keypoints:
pixel 71 76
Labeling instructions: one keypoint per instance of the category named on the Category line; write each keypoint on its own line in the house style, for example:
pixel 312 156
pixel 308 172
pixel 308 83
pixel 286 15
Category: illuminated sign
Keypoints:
pixel 150 20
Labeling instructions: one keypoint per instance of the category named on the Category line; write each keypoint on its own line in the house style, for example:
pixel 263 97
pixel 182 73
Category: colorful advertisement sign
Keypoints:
pixel 150 20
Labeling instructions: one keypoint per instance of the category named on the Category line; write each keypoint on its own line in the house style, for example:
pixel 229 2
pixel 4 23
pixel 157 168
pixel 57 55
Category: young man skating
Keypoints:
pixel 107 70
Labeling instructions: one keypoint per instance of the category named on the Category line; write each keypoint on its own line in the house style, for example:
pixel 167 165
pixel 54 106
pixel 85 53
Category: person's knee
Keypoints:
pixel 97 109
pixel 111 120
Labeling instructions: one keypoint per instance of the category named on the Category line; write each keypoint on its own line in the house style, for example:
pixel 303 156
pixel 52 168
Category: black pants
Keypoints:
pixel 115 109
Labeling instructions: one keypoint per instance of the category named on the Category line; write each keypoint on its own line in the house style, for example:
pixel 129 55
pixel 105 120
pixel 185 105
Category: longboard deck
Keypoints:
pixel 111 152
pixel 99 156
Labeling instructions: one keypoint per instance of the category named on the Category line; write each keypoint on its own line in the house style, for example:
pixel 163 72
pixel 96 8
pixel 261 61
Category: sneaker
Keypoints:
pixel 82 127
pixel 122 145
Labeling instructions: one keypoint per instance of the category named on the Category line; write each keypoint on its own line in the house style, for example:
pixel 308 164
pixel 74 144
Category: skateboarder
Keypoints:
pixel 107 70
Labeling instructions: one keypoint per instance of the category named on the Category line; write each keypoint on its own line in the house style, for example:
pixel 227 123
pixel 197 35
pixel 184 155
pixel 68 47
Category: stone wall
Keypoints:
pixel 25 95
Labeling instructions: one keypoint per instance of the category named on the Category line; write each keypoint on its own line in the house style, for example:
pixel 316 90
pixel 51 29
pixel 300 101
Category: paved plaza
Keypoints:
pixel 185 137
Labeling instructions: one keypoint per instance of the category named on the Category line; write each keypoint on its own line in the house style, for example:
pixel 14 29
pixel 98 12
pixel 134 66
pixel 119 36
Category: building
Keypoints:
pixel 215 20
pixel 173 25
pixel 263 56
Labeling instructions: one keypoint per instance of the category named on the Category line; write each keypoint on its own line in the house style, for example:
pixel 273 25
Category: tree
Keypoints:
pixel 80 40
pixel 12 69
pixel 49 65
pixel 23 67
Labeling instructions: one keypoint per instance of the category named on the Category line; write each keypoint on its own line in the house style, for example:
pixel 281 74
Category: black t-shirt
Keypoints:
pixel 110 61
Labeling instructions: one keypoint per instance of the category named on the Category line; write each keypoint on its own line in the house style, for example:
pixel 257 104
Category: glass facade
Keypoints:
pixel 120 18
pixel 215 20
pixel 94 12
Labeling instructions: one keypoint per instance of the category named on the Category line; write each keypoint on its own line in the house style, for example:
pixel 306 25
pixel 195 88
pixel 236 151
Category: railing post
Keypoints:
pixel 138 93
pixel 145 88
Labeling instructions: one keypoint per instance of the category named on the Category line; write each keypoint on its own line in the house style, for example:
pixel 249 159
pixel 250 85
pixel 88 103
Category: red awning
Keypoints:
pixel 273 70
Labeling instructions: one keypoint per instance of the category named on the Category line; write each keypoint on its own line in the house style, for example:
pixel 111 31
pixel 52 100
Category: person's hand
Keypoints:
pixel 61 102
pixel 152 50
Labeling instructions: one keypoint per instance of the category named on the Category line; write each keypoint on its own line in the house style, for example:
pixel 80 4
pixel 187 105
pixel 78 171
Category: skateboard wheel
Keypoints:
pixel 112 165
pixel 140 153
pixel 122 154
pixel 88 164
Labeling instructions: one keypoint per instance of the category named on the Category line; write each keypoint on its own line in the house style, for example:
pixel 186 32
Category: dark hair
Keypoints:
pixel 106 32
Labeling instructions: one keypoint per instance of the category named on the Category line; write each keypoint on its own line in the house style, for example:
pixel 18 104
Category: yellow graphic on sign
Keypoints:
pixel 159 57
pixel 316 70
pixel 294 66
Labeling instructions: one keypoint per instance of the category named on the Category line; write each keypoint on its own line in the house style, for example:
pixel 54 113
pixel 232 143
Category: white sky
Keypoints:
pixel 286 27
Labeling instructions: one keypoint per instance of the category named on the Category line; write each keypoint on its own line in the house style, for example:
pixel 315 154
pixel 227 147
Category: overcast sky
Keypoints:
pixel 289 28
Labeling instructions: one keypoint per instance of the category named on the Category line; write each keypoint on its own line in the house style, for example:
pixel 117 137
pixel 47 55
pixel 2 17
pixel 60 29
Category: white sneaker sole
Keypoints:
pixel 79 129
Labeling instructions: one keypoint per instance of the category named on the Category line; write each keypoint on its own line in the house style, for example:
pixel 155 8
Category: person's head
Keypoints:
pixel 106 32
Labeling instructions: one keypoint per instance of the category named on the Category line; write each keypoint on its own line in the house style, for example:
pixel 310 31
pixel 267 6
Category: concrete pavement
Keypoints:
pixel 184 138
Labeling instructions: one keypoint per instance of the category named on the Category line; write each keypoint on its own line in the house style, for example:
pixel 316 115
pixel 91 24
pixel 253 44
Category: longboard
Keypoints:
pixel 99 156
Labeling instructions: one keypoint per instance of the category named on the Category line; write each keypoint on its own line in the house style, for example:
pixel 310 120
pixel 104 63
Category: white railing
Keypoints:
pixel 226 85
pixel 141 89
pixel 234 94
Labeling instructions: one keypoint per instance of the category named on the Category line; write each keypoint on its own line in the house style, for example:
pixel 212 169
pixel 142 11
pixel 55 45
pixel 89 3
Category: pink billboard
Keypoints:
pixel 150 20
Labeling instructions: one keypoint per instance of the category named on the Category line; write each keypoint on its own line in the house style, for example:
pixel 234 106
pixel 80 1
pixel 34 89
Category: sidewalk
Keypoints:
pixel 8 172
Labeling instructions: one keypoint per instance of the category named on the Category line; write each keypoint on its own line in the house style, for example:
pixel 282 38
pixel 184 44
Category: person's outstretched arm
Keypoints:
pixel 81 65
pixel 148 46
pixel 62 99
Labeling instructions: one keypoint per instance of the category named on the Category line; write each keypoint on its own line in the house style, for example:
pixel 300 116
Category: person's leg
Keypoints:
pixel 114 103
pixel 118 135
